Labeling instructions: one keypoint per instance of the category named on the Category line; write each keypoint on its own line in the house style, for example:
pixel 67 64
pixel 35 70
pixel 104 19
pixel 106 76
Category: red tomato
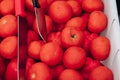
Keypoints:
pixel 39 71
pixel 97 22
pixel 71 37
pixel 100 48
pixel 12 69
pixel 29 63
pixel 106 74
pixel 8 47
pixel 92 5
pixel 51 53
pixel 76 7
pixel 70 74
pixel 76 22
pixel 7 7
pixel 60 11
pixel 74 57
pixel 8 25
pixel 34 49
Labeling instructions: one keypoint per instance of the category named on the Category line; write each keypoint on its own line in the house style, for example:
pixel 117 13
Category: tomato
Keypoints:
pixel 8 47
pixel 7 7
pixel 34 49
pixel 60 11
pixel 8 26
pixel 70 74
pixel 12 69
pixel 39 71
pixel 74 57
pixel 100 48
pixel 106 74
pixel 51 53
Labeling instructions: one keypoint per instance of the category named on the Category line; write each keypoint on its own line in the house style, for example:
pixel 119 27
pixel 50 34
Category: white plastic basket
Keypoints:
pixel 113 33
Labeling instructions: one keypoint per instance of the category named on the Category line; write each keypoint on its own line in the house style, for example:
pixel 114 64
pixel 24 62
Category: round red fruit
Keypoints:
pixel 34 49
pixel 101 73
pixel 97 22
pixel 8 47
pixel 72 37
pixel 76 7
pixel 74 57
pixel 39 71
pixel 8 26
pixel 51 53
pixel 100 48
pixel 12 69
pixel 92 5
pixel 70 74
pixel 60 11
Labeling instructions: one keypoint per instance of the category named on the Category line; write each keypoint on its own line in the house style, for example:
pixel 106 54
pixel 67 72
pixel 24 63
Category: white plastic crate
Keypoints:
pixel 113 33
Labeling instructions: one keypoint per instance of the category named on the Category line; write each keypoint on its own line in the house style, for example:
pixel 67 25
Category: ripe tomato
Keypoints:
pixel 8 47
pixel 92 5
pixel 70 74
pixel 97 22
pixel 12 69
pixel 7 7
pixel 51 53
pixel 34 49
pixel 39 71
pixel 100 48
pixel 60 11
pixel 106 74
pixel 74 57
pixel 76 7
pixel 77 23
pixel 8 26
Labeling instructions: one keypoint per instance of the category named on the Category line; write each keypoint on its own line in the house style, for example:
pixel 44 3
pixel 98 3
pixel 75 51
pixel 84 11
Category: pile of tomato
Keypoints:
pixel 74 48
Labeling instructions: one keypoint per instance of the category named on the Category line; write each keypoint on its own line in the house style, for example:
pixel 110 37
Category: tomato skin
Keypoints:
pixel 51 53
pixel 97 22
pixel 64 9
pixel 71 37
pixel 34 49
pixel 7 7
pixel 74 57
pixel 92 5
pixel 39 71
pixel 70 74
pixel 8 26
pixel 29 63
pixel 100 48
pixel 12 69
pixel 76 7
pixel 101 73
pixel 8 47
